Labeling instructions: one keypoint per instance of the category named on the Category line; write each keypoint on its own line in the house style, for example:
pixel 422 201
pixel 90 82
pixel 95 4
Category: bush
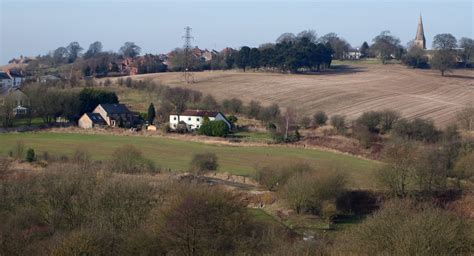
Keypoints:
pixel 363 135
pixel 129 159
pixel 339 123
pixel 30 155
pixel 214 128
pixel 254 109
pixel 216 221
pixel 388 119
pixel 270 114
pixel 275 176
pixel 233 106
pixel 418 129
pixel 305 122
pixel 232 119
pixel 403 228
pixel 464 168
pixel 308 192
pixel 370 120
pixel 320 118
pixel 415 58
pixel 358 202
pixel 202 163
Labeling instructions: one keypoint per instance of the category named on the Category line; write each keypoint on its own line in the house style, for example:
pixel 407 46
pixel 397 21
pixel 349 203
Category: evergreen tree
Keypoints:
pixel 151 114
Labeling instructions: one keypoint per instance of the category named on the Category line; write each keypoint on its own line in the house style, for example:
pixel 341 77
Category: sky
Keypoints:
pixel 31 27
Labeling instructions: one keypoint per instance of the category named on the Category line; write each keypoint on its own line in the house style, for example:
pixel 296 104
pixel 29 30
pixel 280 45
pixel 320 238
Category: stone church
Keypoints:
pixel 420 39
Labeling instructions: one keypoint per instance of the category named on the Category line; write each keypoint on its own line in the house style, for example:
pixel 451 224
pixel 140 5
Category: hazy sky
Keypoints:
pixel 36 27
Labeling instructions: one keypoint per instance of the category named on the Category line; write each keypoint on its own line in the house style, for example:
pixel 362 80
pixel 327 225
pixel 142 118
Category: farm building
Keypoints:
pixel 193 119
pixel 113 115
pixel 91 120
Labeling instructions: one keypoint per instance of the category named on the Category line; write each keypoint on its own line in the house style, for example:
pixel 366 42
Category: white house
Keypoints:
pixel 6 81
pixel 354 54
pixel 194 119
pixel 17 78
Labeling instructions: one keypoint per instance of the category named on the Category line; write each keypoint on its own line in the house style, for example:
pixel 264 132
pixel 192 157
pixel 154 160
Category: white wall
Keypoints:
pixel 194 122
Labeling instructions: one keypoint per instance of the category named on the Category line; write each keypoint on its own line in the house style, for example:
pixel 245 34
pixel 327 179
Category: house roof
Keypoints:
pixel 16 74
pixel 193 112
pixel 96 118
pixel 115 108
pixel 5 75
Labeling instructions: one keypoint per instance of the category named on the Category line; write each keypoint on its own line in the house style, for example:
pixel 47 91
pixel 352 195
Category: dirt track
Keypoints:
pixel 349 91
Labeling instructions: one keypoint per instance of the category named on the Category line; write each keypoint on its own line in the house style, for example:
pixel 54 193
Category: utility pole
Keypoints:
pixel 187 74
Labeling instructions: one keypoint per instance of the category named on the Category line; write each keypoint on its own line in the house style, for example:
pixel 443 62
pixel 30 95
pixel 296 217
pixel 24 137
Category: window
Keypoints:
pixel 197 119
pixel 197 126
pixel 189 118
pixel 174 118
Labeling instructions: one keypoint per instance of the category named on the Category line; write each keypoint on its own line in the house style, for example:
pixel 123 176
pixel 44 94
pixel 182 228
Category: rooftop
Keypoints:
pixel 96 118
pixel 193 112
pixel 115 108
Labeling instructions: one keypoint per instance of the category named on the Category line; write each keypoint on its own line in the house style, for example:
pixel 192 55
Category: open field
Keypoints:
pixel 348 90
pixel 176 154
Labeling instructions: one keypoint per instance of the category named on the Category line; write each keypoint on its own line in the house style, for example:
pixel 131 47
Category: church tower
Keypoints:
pixel 420 40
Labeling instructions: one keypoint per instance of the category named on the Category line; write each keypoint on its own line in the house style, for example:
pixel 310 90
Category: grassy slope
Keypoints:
pixel 176 154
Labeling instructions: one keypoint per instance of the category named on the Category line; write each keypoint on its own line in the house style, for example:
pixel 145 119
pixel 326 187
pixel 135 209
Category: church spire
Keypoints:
pixel 420 40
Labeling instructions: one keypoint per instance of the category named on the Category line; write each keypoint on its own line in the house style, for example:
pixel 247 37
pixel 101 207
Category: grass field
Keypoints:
pixel 350 89
pixel 176 154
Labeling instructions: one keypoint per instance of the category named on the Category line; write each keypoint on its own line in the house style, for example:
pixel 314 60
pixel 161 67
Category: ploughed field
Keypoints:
pixel 176 154
pixel 348 90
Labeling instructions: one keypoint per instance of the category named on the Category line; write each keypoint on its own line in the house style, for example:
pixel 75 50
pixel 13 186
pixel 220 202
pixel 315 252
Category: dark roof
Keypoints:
pixel 191 112
pixel 4 75
pixel 115 108
pixel 96 118
pixel 16 74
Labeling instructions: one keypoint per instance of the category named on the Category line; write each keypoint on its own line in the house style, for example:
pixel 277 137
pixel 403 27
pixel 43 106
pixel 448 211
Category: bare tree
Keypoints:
pixel 385 45
pixel 178 97
pixel 443 60
pixel 444 42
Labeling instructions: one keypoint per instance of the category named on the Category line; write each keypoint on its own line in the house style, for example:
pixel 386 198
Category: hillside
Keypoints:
pixel 347 90
pixel 176 154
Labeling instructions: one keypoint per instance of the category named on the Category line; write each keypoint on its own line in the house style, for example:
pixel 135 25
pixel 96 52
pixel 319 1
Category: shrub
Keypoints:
pixel 403 228
pixel 415 58
pixel 129 159
pixel 270 113
pixel 214 128
pixel 370 120
pixel 305 122
pixel 464 168
pixel 339 123
pixel 254 109
pixel 363 135
pixel 358 202
pixel 233 106
pixel 307 192
pixel 388 119
pixel 202 163
pixel 320 118
pixel 275 176
pixel 30 155
pixel 418 129
pixel 215 220
pixel 232 119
